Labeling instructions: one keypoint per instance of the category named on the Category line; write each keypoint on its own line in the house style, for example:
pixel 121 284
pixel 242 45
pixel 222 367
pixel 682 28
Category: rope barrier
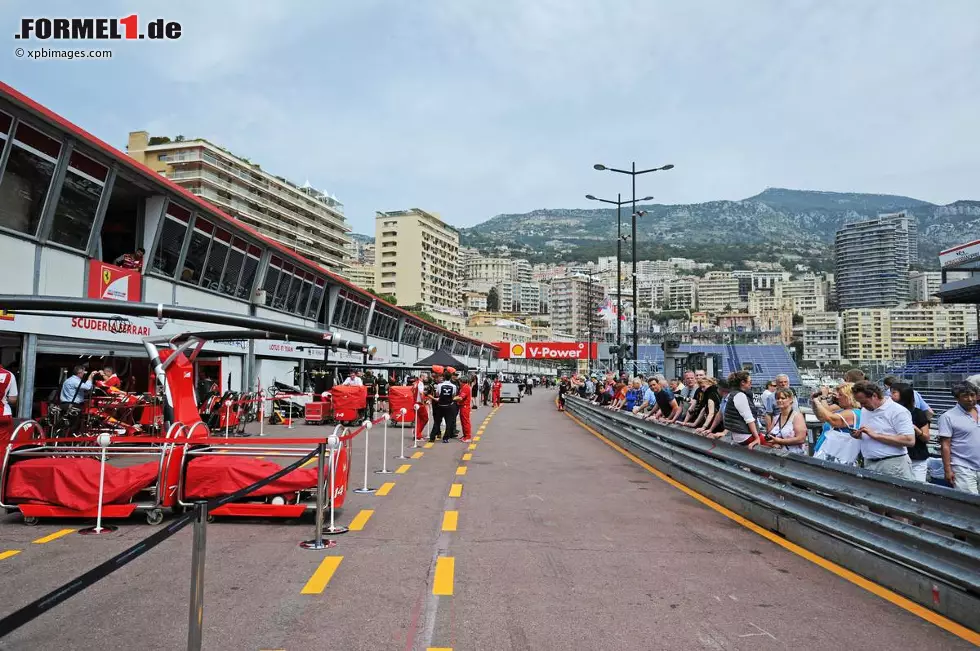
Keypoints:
pixel 38 607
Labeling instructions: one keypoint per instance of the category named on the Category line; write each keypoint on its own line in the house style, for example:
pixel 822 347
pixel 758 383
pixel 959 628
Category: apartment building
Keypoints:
pixel 501 330
pixel 822 337
pixel 718 292
pixel 806 294
pixel 362 275
pixel 680 294
pixel 572 309
pixel 924 285
pixel 887 333
pixel 872 259
pixel 302 218
pixel 417 258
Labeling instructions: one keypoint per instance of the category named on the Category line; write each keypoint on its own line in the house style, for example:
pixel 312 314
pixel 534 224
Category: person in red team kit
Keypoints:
pixel 422 415
pixel 497 387
pixel 465 402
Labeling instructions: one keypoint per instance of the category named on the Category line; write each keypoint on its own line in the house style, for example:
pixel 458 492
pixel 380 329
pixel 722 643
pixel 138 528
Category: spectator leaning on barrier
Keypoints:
pixel 959 431
pixel 886 432
pixel 634 395
pixel 739 416
pixel 708 402
pixel 769 404
pixel 667 405
pixel 836 410
pixel 919 453
pixel 854 375
pixel 716 427
pixel 788 429
pixel 648 401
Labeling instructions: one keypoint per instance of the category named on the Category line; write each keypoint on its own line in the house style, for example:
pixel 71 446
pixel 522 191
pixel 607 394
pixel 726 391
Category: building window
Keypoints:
pixel 30 168
pixel 271 280
pixel 171 241
pixel 305 290
pixel 282 289
pixel 411 334
pixel 430 340
pixel 197 252
pixel 233 268
pixel 384 324
pixel 315 298
pixel 78 201
pixel 351 311
pixel 215 263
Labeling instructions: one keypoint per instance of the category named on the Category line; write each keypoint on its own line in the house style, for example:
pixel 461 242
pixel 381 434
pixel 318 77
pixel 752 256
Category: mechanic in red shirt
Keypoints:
pixel 465 402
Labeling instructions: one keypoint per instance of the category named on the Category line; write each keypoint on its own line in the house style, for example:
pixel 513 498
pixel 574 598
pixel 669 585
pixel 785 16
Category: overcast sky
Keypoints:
pixel 471 108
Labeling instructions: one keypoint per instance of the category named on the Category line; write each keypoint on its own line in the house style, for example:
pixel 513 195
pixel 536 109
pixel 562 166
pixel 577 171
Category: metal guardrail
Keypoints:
pixel 920 540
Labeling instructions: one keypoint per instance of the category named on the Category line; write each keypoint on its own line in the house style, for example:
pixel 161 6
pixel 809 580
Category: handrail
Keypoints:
pixel 927 547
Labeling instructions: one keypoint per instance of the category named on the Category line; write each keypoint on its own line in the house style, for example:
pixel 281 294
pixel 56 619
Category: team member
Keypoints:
pixel 452 375
pixel 8 392
pixel 465 404
pixel 495 391
pixel 74 390
pixel 110 379
pixel 383 391
pixel 443 409
pixel 352 380
pixel 563 390
pixel 422 414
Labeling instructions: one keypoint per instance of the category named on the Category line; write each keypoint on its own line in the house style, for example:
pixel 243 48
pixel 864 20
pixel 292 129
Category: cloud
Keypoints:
pixel 472 108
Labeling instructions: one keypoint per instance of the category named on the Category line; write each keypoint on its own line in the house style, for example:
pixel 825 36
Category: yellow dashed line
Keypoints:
pixel 318 582
pixel 357 524
pixel 461 470
pixel 472 446
pixel 418 455
pixel 428 446
pixel 7 554
pixel 467 456
pixel 830 566
pixel 53 536
pixel 476 438
pixel 442 584
pixel 385 488
pixel 449 520
pixel 403 469
pixel 456 490
pixel 439 648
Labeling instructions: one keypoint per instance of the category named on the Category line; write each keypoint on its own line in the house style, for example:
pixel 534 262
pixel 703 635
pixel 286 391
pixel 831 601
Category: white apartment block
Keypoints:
pixel 520 270
pixel 571 308
pixel 301 218
pixel 418 258
pixel 681 294
pixel 362 275
pixel 718 292
pixel 822 337
pixel 924 285
pixel 501 330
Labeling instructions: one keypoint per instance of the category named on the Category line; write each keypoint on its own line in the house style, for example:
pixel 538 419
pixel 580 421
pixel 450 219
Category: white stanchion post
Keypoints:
pixel 227 416
pixel 415 428
pixel 367 449
pixel 261 412
pixel 103 441
pixel 334 443
pixel 401 455
pixel 384 448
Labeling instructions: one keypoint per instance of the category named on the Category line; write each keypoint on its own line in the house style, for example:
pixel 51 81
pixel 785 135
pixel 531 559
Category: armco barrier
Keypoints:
pixel 927 549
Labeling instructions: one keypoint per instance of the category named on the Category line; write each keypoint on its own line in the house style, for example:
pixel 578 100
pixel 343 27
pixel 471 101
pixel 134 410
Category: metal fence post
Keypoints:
pixel 317 542
pixel 196 619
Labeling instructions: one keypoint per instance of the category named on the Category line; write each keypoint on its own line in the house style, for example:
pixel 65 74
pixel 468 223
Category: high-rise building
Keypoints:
pixel 301 218
pixel 886 333
pixel 417 258
pixel 718 292
pixel 520 270
pixel 872 260
pixel 680 293
pixel 822 337
pixel 483 271
pixel 570 307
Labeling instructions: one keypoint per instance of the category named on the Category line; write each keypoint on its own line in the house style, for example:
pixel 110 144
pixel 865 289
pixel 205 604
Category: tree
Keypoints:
pixel 158 140
pixel 493 300
pixel 179 138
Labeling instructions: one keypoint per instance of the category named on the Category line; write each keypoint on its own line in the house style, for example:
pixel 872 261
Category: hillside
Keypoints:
pixel 793 225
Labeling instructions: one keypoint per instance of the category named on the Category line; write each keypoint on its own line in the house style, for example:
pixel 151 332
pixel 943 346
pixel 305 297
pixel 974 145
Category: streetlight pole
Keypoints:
pixel 619 203
pixel 633 174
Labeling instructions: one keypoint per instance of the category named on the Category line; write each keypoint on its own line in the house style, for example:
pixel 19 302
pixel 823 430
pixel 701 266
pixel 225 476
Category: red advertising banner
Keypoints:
pixel 546 350
pixel 112 283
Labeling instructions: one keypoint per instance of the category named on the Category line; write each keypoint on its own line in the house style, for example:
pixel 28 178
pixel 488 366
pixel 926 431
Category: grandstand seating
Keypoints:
pixel 965 359
pixel 768 360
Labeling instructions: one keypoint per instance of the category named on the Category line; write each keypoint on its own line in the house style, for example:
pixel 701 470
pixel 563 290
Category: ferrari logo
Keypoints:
pixel 106 276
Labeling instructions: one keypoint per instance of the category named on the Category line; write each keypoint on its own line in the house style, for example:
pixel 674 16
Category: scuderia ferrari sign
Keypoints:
pixel 546 350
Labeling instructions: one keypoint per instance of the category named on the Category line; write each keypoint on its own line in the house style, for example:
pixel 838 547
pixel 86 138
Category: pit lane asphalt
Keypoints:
pixel 561 543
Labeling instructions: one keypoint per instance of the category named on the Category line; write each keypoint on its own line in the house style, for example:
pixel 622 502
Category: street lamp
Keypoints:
pixel 633 174
pixel 619 203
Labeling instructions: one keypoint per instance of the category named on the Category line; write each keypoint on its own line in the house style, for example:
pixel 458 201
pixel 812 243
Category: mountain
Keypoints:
pixel 362 239
pixel 793 226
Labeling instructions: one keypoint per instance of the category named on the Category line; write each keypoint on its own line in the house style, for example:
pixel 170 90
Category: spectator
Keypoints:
pixel 667 405
pixel 886 433
pixel 959 431
pixel 649 400
pixel 769 405
pixel 685 393
pixel 919 401
pixel 634 395
pixel 716 427
pixel 739 417
pixel 770 389
pixel 74 391
pixel 838 411
pixel 788 429
pixel 619 397
pixel 854 375
pixel 709 401
pixel 919 453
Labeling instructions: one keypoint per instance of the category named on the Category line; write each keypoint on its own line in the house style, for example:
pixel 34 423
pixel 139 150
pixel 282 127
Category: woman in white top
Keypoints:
pixel 789 429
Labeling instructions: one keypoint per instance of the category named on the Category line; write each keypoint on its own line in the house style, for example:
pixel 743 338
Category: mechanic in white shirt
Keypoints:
pixel 8 392
pixel 353 380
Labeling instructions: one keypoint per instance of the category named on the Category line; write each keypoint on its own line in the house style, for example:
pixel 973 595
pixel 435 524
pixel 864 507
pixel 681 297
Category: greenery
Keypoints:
pixel 670 315
pixel 390 298
pixel 158 140
pixel 493 300
pixel 421 313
